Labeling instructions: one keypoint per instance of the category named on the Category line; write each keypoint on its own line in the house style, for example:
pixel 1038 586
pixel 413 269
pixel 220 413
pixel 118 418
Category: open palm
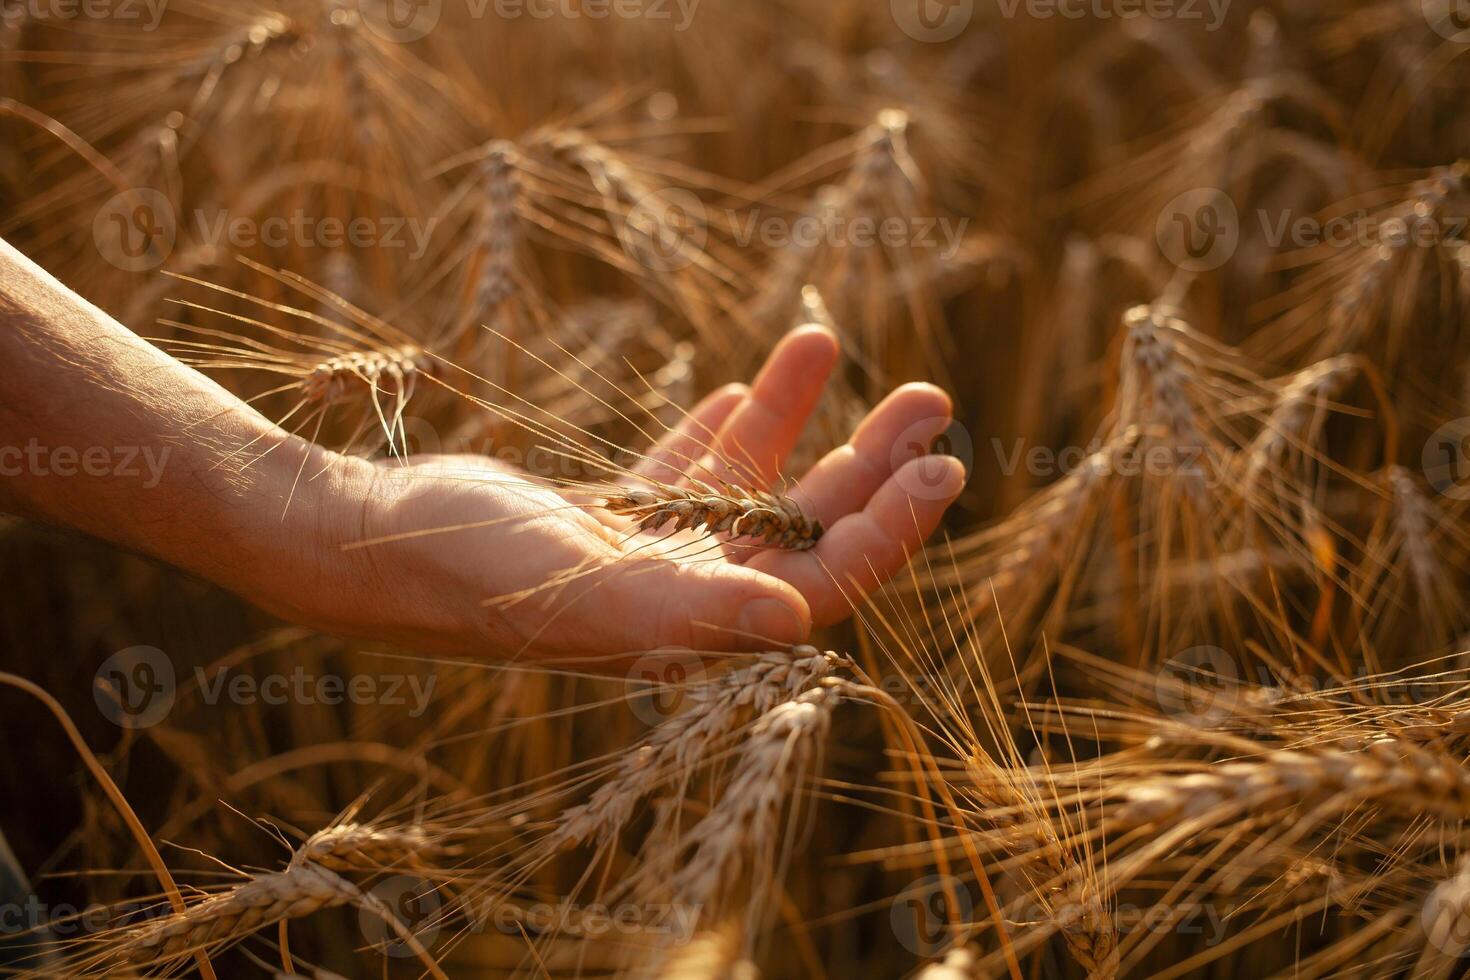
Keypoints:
pixel 471 556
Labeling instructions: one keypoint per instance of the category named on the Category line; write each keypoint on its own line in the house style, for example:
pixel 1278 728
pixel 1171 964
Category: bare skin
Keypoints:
pixel 102 432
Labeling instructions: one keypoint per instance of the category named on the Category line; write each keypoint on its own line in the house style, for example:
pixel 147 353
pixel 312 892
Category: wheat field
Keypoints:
pixel 1180 687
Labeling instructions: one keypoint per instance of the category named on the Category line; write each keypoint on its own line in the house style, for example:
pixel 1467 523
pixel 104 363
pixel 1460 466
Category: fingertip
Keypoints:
pixel 778 620
pixel 954 475
pixel 815 337
pixel 933 478
pixel 730 392
pixel 729 608
pixel 932 398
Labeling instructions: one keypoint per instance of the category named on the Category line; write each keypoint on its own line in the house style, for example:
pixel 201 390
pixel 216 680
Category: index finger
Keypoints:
pixel 761 432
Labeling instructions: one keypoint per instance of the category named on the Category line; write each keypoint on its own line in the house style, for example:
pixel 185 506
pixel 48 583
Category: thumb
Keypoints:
pixel 634 606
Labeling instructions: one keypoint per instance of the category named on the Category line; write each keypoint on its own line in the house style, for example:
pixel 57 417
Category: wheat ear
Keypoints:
pixel 389 370
pixel 364 847
pixel 301 890
pixel 773 519
pixel 1386 770
pixel 747 817
pixel 496 225
pixel 309 884
pixel 680 744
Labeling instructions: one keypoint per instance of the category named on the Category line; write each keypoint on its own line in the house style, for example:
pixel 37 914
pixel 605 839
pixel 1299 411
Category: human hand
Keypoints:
pixel 427 544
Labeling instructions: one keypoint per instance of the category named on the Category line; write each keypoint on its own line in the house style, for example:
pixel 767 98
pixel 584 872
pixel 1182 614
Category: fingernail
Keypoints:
pixel 772 620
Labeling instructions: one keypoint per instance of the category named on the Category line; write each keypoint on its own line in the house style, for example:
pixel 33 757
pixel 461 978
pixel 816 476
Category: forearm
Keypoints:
pixel 102 432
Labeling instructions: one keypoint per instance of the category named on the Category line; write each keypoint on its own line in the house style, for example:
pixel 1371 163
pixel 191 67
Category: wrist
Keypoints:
pixel 297 562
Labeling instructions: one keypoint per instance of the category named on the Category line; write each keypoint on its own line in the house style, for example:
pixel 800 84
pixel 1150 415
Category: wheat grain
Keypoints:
pixel 1156 382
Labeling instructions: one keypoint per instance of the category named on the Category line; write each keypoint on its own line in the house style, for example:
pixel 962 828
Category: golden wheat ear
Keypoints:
pixel 346 374
pixel 773 520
